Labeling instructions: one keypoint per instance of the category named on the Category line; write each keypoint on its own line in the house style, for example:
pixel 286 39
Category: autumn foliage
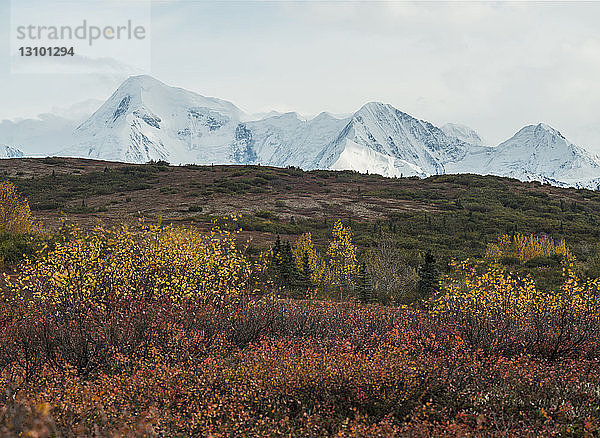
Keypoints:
pixel 167 331
pixel 97 270
pixel 500 312
pixel 15 215
pixel 524 248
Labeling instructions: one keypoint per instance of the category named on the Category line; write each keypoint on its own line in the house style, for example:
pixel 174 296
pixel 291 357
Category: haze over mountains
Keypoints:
pixel 146 120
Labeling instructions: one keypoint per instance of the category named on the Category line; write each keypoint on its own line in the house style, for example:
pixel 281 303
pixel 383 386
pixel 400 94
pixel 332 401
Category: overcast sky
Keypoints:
pixel 493 66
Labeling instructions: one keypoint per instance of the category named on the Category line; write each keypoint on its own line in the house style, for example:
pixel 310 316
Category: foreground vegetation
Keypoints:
pixel 161 330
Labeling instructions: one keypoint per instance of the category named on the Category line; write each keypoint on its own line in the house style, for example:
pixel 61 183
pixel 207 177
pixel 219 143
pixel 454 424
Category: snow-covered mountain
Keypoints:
pixel 146 120
pixel 288 139
pixel 541 153
pixel 380 139
pixel 462 132
pixel 9 152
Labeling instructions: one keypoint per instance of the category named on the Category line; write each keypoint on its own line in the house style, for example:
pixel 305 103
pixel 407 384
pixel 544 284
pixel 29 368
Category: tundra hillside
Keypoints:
pixel 151 300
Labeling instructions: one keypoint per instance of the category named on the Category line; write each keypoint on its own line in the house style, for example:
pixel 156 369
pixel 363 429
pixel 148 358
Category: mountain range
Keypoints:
pixel 147 120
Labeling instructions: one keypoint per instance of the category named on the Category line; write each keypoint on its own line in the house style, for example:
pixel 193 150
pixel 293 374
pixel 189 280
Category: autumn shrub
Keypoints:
pixel 15 215
pixel 525 248
pixel 90 344
pixel 499 311
pixel 93 271
pixel 23 418
pixel 406 382
pixel 15 247
pixel 93 296
pixel 273 318
pixel 391 278
pixel 19 234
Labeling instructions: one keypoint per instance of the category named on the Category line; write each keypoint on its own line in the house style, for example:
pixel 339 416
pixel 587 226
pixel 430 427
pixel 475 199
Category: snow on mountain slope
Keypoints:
pixel 592 184
pixel 289 140
pixel 381 139
pixel 541 153
pixel 10 152
pixel 148 120
pixel 462 132
pixel 40 136
pixel 47 133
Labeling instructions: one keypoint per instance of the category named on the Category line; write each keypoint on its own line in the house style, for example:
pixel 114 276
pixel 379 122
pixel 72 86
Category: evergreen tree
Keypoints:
pixel 363 286
pixel 306 272
pixel 276 262
pixel 289 271
pixel 429 276
pixel 283 265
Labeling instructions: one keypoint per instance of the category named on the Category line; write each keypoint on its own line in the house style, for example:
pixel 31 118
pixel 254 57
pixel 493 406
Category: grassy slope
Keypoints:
pixel 453 215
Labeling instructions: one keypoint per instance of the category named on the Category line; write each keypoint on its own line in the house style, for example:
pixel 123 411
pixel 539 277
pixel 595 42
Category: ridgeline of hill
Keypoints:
pixel 455 216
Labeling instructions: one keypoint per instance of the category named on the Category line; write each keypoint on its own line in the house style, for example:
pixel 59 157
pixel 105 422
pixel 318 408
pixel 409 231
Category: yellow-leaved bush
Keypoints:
pixel 342 255
pixel 525 248
pixel 15 215
pixel 494 293
pixel 92 270
pixel 319 269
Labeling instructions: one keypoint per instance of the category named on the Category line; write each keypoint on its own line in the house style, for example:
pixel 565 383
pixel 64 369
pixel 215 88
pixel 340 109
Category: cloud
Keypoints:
pixel 78 64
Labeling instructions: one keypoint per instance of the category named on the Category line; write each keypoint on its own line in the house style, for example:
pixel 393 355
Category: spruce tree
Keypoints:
pixel 283 265
pixel 363 286
pixel 288 267
pixel 306 274
pixel 276 262
pixel 429 276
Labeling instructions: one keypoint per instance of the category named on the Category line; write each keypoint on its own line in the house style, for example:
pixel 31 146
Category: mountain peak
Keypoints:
pixel 145 119
pixel 539 137
pixel 146 95
pixel 375 106
pixel 549 129
pixel 539 130
pixel 137 86
pixel 462 132
pixel 141 81
pixel 10 152
pixel 540 152
pixel 379 110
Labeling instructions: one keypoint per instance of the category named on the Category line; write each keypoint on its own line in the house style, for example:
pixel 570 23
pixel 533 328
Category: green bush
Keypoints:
pixel 266 214
pixel 15 247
